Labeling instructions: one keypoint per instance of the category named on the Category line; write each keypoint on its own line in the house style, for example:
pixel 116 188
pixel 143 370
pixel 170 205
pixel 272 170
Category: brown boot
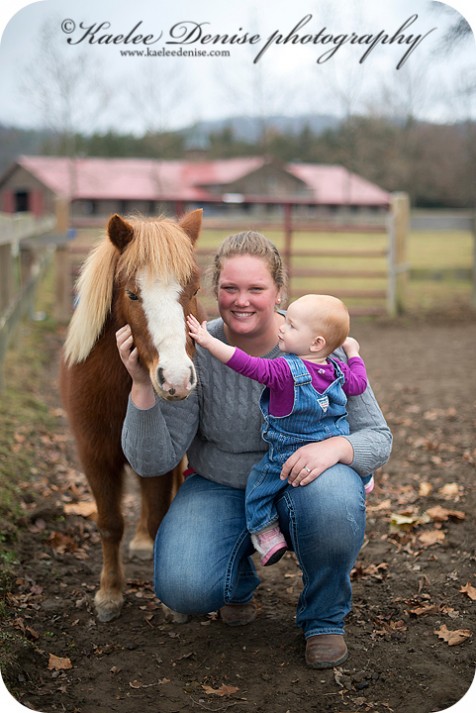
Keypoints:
pixel 326 651
pixel 238 614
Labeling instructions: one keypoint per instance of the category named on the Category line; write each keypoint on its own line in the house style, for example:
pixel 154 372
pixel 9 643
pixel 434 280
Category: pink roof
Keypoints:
pixel 335 185
pixel 143 179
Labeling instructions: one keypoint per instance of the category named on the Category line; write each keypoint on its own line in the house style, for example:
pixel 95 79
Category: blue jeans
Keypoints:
pixel 202 556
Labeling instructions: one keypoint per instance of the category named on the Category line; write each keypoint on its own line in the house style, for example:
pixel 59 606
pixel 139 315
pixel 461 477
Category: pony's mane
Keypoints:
pixel 159 245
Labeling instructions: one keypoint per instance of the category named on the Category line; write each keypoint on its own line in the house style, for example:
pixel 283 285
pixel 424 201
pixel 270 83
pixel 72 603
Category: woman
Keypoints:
pixel 203 550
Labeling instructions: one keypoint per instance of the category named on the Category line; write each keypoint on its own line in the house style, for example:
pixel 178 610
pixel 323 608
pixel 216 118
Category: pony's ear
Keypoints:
pixel 191 223
pixel 120 232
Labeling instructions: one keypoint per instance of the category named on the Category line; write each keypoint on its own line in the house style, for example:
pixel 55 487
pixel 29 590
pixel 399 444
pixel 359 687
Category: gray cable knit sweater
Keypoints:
pixel 219 426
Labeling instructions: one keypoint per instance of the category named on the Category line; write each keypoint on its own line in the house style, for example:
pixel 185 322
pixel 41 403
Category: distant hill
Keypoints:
pixel 15 141
pixel 247 128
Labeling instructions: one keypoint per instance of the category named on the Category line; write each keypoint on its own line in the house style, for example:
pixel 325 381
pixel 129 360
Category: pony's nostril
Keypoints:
pixel 160 375
pixel 171 392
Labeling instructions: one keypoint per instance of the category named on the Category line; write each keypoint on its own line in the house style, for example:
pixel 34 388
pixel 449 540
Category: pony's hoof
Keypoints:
pixel 174 617
pixel 108 607
pixel 141 547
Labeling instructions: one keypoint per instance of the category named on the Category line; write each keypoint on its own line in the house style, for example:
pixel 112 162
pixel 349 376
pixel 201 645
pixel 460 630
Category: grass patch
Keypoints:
pixel 25 418
pixel 445 250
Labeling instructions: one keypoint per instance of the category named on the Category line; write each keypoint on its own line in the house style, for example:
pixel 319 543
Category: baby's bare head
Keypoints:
pixel 326 315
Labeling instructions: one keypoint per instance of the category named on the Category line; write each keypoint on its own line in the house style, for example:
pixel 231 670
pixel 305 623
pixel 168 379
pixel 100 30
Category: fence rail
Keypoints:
pixel 21 267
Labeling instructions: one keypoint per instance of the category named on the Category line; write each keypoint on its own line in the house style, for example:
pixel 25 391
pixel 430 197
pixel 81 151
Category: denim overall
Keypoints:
pixel 314 417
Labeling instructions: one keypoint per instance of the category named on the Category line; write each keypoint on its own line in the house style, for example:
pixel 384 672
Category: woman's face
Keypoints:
pixel 247 295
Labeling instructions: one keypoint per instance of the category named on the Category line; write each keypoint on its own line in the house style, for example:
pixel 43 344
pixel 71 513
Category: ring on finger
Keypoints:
pixel 307 469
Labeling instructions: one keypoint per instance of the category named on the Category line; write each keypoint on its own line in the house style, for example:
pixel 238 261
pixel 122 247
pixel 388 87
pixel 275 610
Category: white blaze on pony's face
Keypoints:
pixel 172 373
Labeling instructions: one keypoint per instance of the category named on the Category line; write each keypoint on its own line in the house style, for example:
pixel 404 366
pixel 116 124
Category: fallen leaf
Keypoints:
pixel 343 678
pixel 469 456
pixel 85 508
pixel 469 590
pixel 19 623
pixel 441 514
pixel 400 521
pixel 372 570
pixel 33 633
pixel 224 690
pixel 425 489
pixel 449 491
pixel 390 627
pixel 431 537
pixel 62 543
pixel 424 609
pixel 383 505
pixel 57 663
pixel 453 638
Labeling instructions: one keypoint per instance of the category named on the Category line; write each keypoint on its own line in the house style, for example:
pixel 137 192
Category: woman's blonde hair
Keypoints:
pixel 249 242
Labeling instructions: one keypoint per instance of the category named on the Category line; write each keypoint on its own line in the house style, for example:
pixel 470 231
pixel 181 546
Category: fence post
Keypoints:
pixel 399 222
pixel 288 238
pixel 6 276
pixel 28 267
pixel 63 279
pixel 63 284
pixel 62 213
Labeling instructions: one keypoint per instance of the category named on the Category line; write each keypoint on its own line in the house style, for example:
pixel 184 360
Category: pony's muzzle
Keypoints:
pixel 176 386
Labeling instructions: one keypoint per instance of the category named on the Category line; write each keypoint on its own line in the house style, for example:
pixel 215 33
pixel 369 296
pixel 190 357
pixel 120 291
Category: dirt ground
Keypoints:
pixel 410 634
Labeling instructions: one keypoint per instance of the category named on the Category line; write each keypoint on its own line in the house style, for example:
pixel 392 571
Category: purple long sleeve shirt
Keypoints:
pixel 276 375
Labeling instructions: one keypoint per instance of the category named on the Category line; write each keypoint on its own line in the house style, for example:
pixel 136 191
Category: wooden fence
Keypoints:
pixel 21 267
pixel 381 269
pixel 371 279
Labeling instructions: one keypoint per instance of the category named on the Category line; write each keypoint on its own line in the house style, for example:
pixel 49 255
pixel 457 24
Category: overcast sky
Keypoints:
pixel 282 57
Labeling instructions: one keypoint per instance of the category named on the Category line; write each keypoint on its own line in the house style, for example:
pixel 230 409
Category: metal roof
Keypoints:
pixel 185 180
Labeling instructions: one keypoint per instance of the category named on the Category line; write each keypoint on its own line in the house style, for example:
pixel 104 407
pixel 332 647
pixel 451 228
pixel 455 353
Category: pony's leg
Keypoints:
pixel 156 496
pixel 107 492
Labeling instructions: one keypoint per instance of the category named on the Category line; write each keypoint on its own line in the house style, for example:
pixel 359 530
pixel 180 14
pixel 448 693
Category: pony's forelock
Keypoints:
pixel 159 246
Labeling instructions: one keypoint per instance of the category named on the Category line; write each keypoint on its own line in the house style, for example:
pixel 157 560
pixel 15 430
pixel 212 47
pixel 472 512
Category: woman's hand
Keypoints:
pixel 142 392
pixel 309 461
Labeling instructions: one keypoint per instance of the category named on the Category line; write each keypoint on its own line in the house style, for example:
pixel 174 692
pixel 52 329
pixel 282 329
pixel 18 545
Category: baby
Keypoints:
pixel 304 401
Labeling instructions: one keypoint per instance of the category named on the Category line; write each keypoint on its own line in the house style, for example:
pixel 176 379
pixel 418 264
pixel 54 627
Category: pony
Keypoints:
pixel 142 273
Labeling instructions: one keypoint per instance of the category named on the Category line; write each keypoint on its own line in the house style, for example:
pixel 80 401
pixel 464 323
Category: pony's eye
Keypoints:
pixel 131 295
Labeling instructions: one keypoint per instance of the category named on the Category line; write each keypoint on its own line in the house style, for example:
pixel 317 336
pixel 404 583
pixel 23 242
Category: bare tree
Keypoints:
pixel 158 90
pixel 459 31
pixel 62 85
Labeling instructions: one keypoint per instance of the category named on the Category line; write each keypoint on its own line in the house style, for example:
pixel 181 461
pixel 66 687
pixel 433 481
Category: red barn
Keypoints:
pixel 97 187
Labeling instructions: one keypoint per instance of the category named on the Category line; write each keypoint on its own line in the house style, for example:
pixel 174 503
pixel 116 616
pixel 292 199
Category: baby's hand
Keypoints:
pixel 198 331
pixel 351 347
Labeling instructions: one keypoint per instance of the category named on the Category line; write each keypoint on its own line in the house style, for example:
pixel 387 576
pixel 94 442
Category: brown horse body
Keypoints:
pixel 95 384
